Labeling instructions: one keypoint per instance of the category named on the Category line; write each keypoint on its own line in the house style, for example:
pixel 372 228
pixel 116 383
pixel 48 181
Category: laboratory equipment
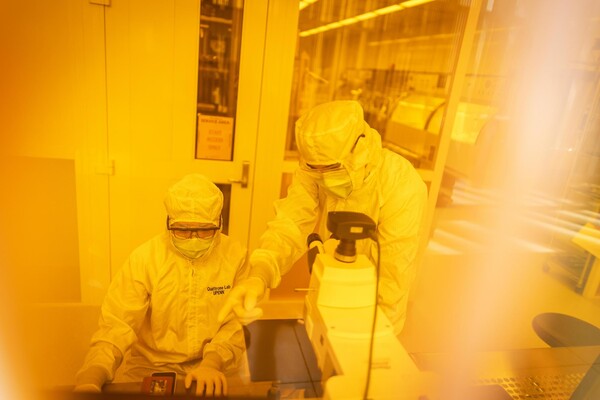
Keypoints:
pixel 339 313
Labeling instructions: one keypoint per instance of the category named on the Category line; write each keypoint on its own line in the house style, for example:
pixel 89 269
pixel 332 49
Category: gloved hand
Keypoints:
pixel 91 380
pixel 209 381
pixel 87 388
pixel 242 300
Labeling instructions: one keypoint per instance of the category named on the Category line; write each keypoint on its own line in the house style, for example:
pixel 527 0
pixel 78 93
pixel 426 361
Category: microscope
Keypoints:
pixel 339 311
pixel 344 279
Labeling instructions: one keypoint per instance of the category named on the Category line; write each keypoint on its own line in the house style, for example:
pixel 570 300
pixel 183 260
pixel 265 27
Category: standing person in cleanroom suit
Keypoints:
pixel 342 168
pixel 164 301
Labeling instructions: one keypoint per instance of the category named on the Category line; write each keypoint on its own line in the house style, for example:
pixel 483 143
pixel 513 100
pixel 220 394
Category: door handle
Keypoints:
pixel 245 174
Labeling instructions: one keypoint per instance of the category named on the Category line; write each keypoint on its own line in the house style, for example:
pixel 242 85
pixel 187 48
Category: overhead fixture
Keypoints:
pixel 306 3
pixel 439 36
pixel 361 17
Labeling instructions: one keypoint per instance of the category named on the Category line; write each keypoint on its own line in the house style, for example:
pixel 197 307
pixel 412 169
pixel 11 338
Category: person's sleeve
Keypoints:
pixel 100 363
pixel 243 270
pixel 399 230
pixel 284 241
pixel 227 345
pixel 122 313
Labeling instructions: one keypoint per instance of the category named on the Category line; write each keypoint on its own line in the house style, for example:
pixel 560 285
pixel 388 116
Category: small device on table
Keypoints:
pixel 160 383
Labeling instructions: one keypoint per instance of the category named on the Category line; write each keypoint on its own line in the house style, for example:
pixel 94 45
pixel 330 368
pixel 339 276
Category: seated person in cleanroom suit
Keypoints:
pixel 163 302
pixel 343 167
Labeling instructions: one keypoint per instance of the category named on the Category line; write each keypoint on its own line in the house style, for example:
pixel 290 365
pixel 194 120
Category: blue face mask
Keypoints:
pixel 192 248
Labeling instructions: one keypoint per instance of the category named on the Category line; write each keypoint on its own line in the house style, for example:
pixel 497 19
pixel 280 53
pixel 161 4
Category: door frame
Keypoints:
pixel 133 184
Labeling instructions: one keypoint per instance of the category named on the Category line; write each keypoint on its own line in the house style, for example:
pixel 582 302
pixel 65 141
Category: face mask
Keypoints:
pixel 337 183
pixel 192 248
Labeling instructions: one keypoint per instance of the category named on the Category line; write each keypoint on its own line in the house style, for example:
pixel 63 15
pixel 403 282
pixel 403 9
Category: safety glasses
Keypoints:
pixel 318 170
pixel 184 232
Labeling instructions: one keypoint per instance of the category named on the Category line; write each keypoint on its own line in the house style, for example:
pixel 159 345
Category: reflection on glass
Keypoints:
pixel 534 64
pixel 396 59
pixel 520 187
pixel 521 179
pixel 218 72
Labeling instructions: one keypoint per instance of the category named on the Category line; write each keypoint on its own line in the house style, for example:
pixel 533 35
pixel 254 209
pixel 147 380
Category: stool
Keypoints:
pixel 561 330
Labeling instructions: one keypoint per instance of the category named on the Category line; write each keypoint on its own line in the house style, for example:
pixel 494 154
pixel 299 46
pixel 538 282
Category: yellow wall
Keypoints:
pixel 43 229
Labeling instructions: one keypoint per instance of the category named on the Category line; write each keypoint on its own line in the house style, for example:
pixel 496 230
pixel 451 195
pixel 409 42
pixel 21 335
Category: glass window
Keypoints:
pixel 218 72
pixel 396 59
pixel 525 136
pixel 502 119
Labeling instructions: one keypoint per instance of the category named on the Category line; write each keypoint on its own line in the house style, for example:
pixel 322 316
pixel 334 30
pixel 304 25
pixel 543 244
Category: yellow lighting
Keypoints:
pixel 413 3
pixel 361 17
pixel 429 38
pixel 348 21
pixel 388 9
pixel 365 16
pixel 306 3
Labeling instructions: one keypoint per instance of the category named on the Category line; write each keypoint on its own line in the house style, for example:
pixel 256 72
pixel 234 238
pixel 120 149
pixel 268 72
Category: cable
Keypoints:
pixel 315 246
pixel 375 238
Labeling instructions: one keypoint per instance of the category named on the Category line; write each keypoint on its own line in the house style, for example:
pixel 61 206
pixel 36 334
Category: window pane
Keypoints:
pixel 218 72
pixel 526 131
pixel 396 60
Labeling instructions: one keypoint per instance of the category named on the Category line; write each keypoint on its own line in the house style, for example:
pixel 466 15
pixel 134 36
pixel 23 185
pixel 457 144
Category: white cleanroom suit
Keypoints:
pixel 344 168
pixel 163 305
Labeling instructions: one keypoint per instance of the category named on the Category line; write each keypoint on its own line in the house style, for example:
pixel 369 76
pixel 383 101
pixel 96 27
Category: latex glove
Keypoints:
pixel 209 381
pixel 91 380
pixel 242 300
pixel 87 388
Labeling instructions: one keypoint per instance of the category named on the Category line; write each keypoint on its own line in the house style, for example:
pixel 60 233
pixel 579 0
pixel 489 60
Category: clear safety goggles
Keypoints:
pixel 201 232
pixel 317 171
